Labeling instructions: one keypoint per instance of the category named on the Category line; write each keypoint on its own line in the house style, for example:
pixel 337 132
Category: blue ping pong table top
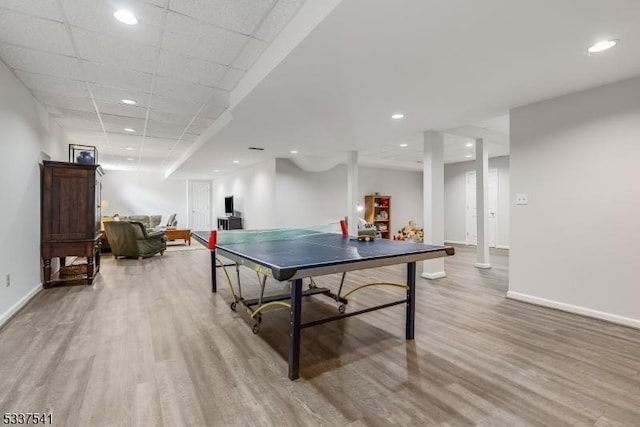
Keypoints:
pixel 287 256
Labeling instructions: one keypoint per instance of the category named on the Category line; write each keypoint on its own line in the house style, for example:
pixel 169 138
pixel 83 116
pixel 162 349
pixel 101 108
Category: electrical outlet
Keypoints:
pixel 8 280
pixel 522 199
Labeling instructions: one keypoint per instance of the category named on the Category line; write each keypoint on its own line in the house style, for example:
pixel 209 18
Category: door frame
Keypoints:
pixel 467 218
pixel 190 201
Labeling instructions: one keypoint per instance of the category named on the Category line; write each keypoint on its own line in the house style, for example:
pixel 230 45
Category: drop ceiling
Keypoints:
pixel 214 77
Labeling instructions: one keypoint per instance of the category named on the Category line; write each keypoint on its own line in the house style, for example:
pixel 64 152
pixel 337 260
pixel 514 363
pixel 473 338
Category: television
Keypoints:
pixel 228 206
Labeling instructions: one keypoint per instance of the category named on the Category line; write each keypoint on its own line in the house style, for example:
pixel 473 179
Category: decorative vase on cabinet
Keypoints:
pixel 70 204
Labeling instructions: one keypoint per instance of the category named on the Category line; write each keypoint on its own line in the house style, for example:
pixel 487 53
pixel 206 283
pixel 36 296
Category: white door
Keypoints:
pixel 492 209
pixel 200 205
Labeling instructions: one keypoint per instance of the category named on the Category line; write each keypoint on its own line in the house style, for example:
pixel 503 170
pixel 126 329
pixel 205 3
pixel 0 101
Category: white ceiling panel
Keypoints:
pixel 122 109
pixel 242 16
pixel 56 85
pixel 116 52
pixel 204 41
pixel 25 59
pixel 174 119
pixel 231 79
pixel 172 88
pixel 173 105
pixel 113 123
pixel 97 15
pixel 47 9
pixel 66 102
pixel 105 75
pixel 115 95
pixel 277 19
pixel 250 54
pixel 212 109
pixel 70 122
pixel 164 130
pixel 188 68
pixel 22 30
pixel 199 125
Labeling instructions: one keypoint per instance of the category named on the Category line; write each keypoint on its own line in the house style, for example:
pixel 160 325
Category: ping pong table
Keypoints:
pixel 300 253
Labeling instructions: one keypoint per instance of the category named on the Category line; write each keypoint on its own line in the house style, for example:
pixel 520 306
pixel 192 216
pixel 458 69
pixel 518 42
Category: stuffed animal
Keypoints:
pixel 411 232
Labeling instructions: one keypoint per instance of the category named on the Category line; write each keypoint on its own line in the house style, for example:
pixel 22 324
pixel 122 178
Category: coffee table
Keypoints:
pixel 179 233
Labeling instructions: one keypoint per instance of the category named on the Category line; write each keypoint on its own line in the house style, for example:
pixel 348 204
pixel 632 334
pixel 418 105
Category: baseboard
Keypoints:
pixel 613 318
pixel 455 242
pixel 482 265
pixel 502 247
pixel 431 276
pixel 4 317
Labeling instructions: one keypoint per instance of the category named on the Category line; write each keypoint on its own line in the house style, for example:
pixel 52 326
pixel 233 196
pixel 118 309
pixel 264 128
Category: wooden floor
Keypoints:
pixel 148 344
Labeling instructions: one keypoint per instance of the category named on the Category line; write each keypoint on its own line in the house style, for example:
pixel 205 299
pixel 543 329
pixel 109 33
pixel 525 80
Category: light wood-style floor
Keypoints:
pixel 148 344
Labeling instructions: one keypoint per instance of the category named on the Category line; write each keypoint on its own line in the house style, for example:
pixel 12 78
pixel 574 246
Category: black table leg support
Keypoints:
pixel 294 328
pixel 214 280
pixel 411 299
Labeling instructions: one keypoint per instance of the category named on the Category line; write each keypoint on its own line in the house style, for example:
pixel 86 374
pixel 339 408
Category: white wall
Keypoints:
pixel 253 191
pixel 27 136
pixel 145 193
pixel 455 200
pixel 575 245
pixel 310 198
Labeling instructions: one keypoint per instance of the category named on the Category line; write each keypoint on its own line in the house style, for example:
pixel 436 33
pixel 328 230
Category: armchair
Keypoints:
pixel 130 239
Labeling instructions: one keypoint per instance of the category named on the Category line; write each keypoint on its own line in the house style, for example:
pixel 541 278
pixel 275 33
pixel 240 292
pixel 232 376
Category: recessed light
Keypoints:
pixel 468 156
pixel 469 144
pixel 129 148
pixel 236 161
pixel 397 116
pixel 128 130
pixel 602 45
pixel 125 16
pixel 294 151
pixel 216 170
pixel 404 145
pixel 129 101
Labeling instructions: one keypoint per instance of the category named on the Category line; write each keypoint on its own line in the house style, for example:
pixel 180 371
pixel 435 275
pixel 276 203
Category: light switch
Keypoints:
pixel 522 199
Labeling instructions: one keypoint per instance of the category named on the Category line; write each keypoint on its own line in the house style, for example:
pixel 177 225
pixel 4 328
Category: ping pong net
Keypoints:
pixel 272 234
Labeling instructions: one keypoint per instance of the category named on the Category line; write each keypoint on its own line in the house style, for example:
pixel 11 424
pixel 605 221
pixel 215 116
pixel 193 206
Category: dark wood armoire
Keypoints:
pixel 70 217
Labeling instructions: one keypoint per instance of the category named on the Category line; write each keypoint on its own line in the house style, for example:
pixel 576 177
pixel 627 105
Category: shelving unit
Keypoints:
pixel 378 212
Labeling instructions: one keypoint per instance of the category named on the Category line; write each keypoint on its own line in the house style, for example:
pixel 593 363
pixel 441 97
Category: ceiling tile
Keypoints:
pixel 242 16
pixel 23 30
pixel 250 54
pixel 174 119
pixel 47 9
pixel 115 95
pixel 188 68
pixel 172 88
pixel 120 109
pixel 199 125
pixel 116 77
pixel 189 137
pixel 277 19
pixel 97 15
pixel 212 110
pixel 204 41
pixel 25 59
pixel 172 105
pixel 120 53
pixel 164 130
pixel 62 101
pixel 231 79
pixel 117 124
pixel 55 85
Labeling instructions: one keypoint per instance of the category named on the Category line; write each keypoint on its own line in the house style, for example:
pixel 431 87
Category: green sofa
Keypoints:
pixel 148 221
pixel 130 239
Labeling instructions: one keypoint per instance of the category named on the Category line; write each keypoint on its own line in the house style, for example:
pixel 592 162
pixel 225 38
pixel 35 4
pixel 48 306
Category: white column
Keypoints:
pixel 482 203
pixel 433 199
pixel 352 192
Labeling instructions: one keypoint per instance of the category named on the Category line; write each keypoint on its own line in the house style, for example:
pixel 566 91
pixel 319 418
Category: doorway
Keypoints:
pixel 471 231
pixel 200 205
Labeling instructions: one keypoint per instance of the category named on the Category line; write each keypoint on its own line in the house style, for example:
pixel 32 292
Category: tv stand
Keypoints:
pixel 229 223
